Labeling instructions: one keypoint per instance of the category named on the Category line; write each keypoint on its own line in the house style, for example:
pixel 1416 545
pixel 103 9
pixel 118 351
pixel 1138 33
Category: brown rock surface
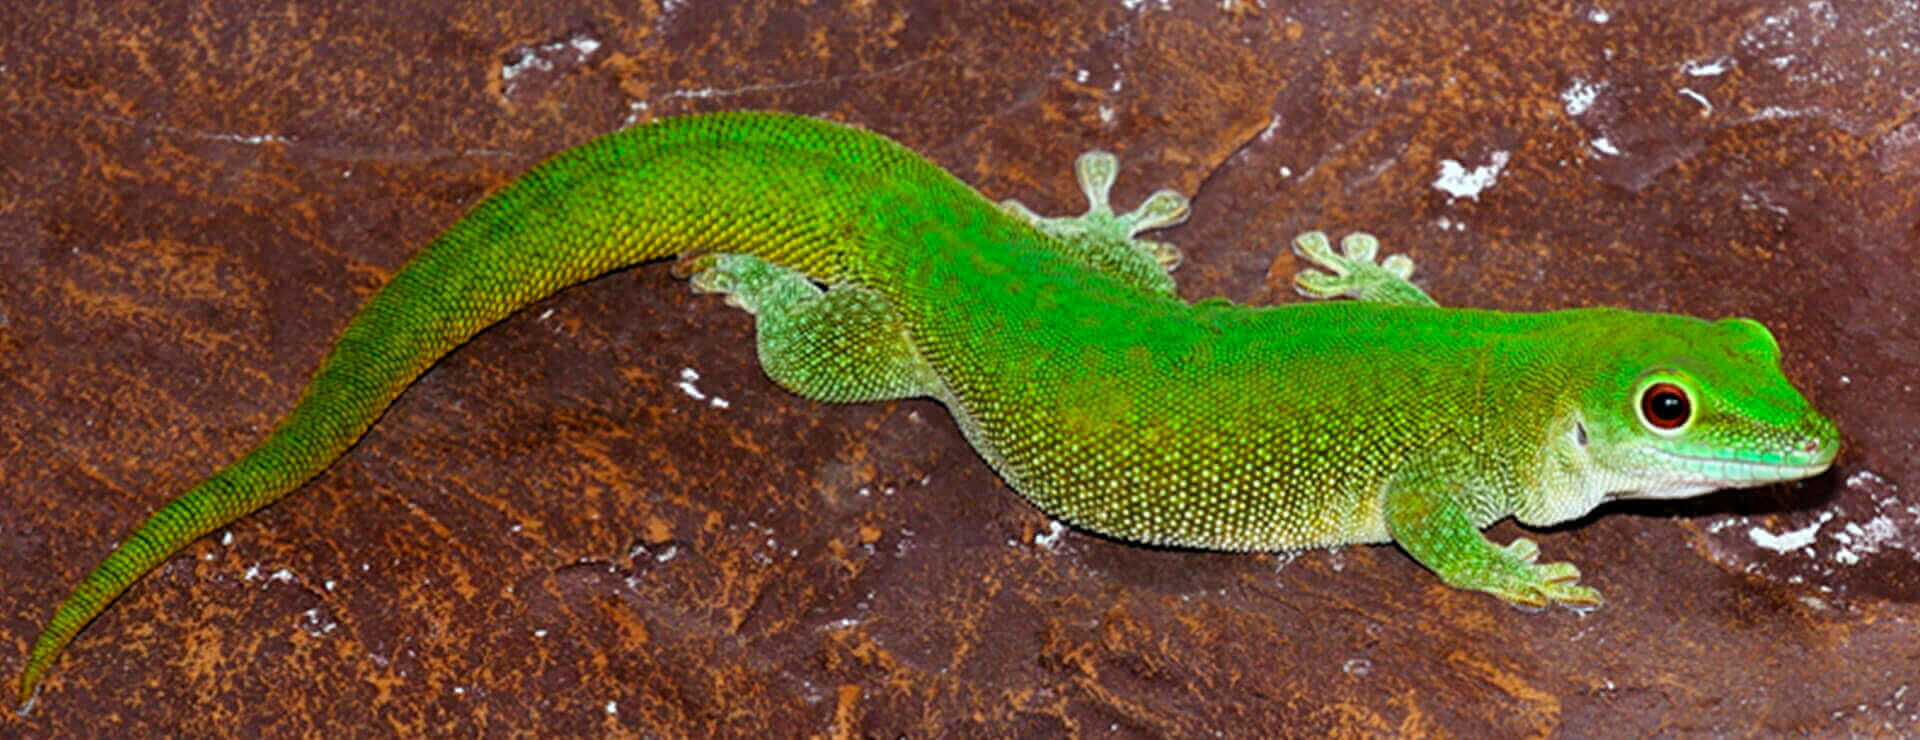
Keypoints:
pixel 553 532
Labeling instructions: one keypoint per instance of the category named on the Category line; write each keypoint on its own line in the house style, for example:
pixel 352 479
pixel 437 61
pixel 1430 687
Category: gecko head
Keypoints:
pixel 1678 406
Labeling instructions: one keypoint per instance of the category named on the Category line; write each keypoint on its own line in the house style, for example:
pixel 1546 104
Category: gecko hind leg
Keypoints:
pixel 1105 240
pixel 1352 271
pixel 841 344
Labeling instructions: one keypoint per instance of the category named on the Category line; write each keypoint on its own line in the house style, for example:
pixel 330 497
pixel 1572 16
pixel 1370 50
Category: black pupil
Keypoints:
pixel 1667 405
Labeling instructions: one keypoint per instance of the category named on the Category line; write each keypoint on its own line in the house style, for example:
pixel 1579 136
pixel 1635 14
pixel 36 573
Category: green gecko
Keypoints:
pixel 1068 362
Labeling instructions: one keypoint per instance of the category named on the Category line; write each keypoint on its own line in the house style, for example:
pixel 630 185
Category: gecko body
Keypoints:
pixel 1068 362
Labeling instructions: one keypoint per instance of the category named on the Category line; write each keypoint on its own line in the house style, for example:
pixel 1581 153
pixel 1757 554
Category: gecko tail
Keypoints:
pixel 794 191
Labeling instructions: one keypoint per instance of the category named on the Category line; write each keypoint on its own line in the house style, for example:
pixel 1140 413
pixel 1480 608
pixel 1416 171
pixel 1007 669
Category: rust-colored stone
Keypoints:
pixel 547 535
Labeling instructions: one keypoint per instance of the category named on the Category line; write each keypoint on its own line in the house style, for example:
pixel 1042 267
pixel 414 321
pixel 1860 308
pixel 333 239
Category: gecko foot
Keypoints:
pixel 1107 240
pixel 843 344
pixel 1352 271
pixel 747 282
pixel 1530 584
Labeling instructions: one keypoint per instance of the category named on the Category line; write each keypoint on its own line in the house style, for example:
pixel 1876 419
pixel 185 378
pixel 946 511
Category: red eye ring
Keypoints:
pixel 1665 406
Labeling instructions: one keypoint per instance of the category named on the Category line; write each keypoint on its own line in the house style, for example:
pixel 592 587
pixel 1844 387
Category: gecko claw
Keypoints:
pixel 1573 596
pixel 1097 170
pixel 1164 208
pixel 1525 550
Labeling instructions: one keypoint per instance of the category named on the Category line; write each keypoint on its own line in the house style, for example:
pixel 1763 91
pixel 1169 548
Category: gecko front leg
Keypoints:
pixel 1427 517
pixel 1353 273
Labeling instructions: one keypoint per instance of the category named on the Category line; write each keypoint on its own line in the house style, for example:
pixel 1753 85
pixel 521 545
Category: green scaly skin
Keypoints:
pixel 1066 359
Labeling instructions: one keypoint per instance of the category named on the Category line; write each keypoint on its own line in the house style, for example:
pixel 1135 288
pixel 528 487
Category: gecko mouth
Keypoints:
pixel 1747 471
pixel 1680 475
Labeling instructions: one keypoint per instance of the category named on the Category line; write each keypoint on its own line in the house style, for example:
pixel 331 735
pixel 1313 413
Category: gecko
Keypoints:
pixel 1068 361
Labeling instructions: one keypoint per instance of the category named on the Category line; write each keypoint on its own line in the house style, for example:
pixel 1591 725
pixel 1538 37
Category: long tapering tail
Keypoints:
pixel 792 190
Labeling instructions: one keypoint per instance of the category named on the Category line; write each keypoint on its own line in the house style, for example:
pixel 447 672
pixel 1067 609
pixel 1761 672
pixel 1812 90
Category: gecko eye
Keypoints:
pixel 1664 406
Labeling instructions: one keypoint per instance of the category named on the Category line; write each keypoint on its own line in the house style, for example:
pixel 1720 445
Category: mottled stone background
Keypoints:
pixel 600 517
